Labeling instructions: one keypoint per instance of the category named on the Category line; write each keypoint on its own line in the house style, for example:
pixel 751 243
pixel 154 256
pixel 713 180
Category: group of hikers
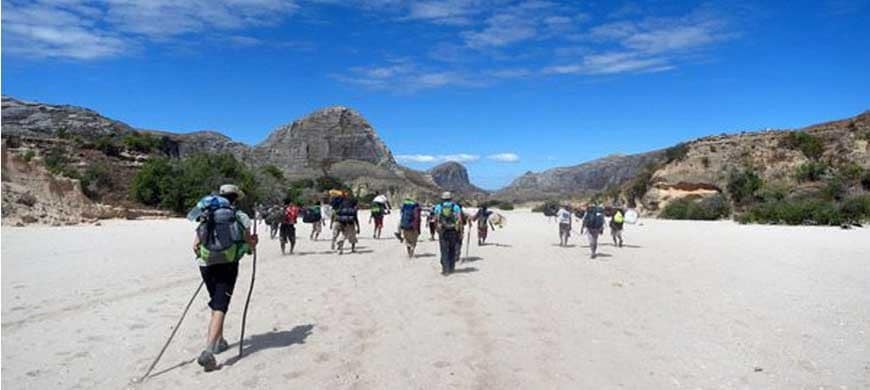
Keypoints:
pixel 593 220
pixel 224 235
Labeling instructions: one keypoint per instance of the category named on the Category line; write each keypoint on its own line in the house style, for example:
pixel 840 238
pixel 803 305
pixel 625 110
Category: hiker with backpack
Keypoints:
pixel 593 224
pixel 222 238
pixel 483 224
pixel 449 222
pixel 347 224
pixel 617 223
pixel 313 215
pixel 432 221
pixel 288 225
pixel 409 225
pixel 564 217
pixel 377 214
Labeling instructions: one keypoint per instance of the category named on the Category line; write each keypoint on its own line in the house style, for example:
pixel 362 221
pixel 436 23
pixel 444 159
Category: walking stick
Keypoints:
pixel 250 290
pixel 177 325
pixel 467 244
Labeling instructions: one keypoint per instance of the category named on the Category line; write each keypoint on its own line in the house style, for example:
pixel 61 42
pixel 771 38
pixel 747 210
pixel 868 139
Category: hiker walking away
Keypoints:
pixel 222 237
pixel 347 223
pixel 432 221
pixel 449 221
pixel 409 225
pixel 483 224
pixel 616 225
pixel 288 225
pixel 314 216
pixel 563 216
pixel 593 224
pixel 334 204
pixel 377 214
pixel 273 219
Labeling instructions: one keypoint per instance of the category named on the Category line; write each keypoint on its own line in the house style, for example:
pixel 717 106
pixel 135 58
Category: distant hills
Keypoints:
pixel 338 141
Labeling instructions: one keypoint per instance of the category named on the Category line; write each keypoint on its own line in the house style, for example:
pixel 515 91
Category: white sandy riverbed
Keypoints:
pixel 684 305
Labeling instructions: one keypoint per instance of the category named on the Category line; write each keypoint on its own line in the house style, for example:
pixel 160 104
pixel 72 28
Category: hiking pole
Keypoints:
pixel 177 325
pixel 467 245
pixel 250 290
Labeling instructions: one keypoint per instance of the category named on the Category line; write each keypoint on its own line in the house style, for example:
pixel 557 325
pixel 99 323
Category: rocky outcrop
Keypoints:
pixel 579 180
pixel 453 176
pixel 322 138
pixel 705 168
pixel 30 119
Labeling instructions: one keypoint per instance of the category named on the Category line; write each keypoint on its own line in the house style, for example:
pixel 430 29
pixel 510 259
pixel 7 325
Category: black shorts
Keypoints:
pixel 220 280
pixel 288 233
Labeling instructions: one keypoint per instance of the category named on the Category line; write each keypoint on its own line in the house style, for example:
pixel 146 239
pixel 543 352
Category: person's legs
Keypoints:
pixel 220 280
pixel 336 230
pixel 456 242
pixel 284 234
pixel 292 237
pixel 613 234
pixel 593 241
pixel 619 236
pixel 446 253
pixel 350 233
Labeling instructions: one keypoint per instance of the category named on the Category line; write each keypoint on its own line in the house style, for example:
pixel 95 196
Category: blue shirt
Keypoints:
pixel 457 211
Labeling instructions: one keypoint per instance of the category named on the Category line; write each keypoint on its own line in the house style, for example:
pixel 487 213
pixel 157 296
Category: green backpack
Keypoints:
pixel 447 219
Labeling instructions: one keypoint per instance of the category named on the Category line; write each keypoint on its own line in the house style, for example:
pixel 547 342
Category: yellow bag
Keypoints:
pixel 618 218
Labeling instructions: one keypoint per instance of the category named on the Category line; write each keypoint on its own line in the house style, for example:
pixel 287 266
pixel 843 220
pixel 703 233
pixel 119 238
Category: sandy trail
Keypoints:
pixel 684 305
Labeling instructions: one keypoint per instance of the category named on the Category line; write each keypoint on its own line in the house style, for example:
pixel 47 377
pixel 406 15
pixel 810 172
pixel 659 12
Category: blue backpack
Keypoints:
pixel 408 211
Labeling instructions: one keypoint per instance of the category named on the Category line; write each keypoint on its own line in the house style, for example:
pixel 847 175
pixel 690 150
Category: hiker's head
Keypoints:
pixel 446 196
pixel 231 192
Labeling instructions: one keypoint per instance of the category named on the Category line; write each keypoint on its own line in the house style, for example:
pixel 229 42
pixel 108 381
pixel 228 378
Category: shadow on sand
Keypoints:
pixel 470 259
pixel 273 339
pixel 566 246
pixel 424 255
pixel 466 270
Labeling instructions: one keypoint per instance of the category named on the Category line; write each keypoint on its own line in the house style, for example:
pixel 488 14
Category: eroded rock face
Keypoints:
pixel 579 180
pixel 45 120
pixel 326 136
pixel 453 176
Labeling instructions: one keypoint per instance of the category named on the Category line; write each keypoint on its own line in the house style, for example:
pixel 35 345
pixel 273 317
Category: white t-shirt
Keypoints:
pixel 563 216
pixel 325 212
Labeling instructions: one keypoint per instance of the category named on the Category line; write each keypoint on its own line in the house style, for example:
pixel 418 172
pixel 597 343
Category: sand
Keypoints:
pixel 683 305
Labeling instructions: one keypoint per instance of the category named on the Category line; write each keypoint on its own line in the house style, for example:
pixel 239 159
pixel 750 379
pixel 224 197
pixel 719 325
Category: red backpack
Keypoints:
pixel 291 213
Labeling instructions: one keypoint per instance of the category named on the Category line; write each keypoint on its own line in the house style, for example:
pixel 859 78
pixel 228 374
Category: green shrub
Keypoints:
pixel 641 183
pixel 743 185
pixel 835 188
pixel 707 209
pixel 850 172
pixel 677 152
pixel 865 181
pixel 795 212
pixel 273 171
pixel 96 179
pixel 107 145
pixel 57 162
pixel 705 161
pixel 141 142
pixel 856 209
pixel 810 145
pixel 546 207
pixel 811 171
pixel 326 183
pixel 177 185
pixel 28 155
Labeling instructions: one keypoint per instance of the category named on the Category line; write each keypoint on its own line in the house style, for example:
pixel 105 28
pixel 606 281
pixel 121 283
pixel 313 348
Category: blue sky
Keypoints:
pixel 504 86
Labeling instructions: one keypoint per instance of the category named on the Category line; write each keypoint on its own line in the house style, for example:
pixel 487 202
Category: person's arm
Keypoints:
pixel 196 244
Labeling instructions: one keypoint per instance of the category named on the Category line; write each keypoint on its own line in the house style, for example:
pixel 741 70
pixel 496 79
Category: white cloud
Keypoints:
pixel 429 158
pixel 504 157
pixel 92 29
pixel 402 75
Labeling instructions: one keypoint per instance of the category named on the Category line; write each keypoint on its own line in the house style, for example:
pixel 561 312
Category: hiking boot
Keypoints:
pixel 399 236
pixel 207 361
pixel 592 256
pixel 221 346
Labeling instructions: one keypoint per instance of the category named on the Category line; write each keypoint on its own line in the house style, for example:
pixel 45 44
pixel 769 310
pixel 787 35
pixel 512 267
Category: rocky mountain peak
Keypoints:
pixel 453 176
pixel 327 135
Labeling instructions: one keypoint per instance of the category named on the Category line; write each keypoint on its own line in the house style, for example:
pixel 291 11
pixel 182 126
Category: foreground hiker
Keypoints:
pixel 222 238
pixel 449 220
pixel 313 215
pixel 616 225
pixel 563 216
pixel 409 225
pixel 288 225
pixel 347 223
pixel 593 224
pixel 483 224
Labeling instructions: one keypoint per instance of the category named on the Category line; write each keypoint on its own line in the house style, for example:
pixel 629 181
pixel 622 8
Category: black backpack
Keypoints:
pixel 346 212
pixel 219 231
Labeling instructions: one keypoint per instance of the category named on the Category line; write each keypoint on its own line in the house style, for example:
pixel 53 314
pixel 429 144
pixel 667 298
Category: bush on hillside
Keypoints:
pixel 548 207
pixel 273 171
pixel 707 209
pixel 497 204
pixel 810 145
pixel 811 171
pixel 677 152
pixel 58 163
pixel 178 184
pixel 857 209
pixel 835 188
pixel 865 181
pixel 141 142
pixel 107 145
pixel 96 179
pixel 743 185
